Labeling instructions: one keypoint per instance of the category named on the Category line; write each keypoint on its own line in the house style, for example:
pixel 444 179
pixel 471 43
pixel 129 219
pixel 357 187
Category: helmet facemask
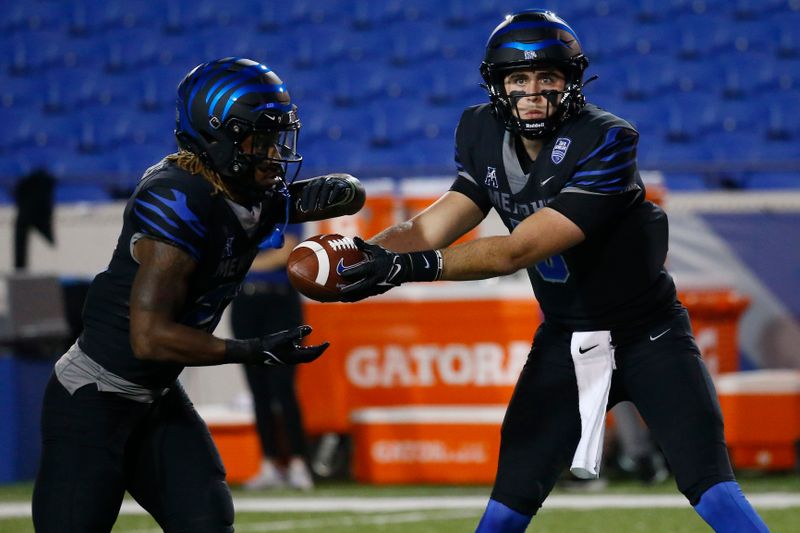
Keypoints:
pixel 268 146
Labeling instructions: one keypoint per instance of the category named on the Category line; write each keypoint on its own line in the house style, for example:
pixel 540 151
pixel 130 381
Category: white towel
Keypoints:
pixel 593 356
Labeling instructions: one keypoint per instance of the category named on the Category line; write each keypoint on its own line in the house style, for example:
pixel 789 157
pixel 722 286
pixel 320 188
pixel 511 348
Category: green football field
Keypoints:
pixel 338 507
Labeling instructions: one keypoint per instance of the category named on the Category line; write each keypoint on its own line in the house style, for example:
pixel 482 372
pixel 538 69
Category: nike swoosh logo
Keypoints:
pixel 427 265
pixel 341 267
pixel 652 338
pixel 390 278
pixel 581 350
pixel 548 179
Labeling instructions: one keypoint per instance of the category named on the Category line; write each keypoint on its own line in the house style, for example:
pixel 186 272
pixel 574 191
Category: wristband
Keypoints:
pixel 247 351
pixel 425 266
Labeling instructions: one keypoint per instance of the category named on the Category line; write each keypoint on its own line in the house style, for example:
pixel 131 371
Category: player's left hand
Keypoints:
pixel 327 191
pixel 382 271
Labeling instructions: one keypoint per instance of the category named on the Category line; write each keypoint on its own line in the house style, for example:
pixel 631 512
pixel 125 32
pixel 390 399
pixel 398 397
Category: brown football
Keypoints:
pixel 315 265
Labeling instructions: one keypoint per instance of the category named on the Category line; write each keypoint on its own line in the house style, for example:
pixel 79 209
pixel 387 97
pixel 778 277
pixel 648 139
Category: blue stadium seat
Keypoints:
pixel 705 81
pixel 12 167
pixel 684 182
pixel 80 192
pixel 70 89
pixel 6 197
pixel 22 16
pixel 775 180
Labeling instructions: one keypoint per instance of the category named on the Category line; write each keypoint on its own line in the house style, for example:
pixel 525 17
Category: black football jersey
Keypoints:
pixel 181 209
pixel 588 172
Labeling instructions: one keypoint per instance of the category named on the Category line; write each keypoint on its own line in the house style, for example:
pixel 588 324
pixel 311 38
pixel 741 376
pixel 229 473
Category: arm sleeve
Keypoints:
pixel 605 184
pixel 167 213
pixel 465 183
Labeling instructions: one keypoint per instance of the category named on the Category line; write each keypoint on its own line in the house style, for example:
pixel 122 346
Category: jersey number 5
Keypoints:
pixel 554 269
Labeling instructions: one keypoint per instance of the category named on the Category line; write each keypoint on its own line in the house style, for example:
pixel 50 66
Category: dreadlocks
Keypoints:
pixel 190 162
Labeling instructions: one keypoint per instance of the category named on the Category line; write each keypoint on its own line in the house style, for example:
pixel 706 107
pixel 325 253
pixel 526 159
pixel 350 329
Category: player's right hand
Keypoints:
pixel 382 271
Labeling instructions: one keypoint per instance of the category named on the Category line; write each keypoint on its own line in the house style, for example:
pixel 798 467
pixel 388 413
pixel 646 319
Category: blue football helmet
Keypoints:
pixel 221 104
pixel 530 39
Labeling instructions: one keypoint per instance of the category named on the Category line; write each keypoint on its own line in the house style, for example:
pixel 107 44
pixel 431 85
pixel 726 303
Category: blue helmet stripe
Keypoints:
pixel 225 79
pixel 540 24
pixel 533 46
pixel 255 88
pixel 237 78
pixel 201 80
pixel 198 83
pixel 263 69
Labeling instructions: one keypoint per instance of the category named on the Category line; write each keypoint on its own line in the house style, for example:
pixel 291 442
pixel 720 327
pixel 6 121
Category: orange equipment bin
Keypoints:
pixel 444 444
pixel 237 440
pixel 715 317
pixel 417 345
pixel 762 417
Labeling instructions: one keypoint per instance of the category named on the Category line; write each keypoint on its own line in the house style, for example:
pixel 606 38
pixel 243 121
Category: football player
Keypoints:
pixel 115 418
pixel 562 174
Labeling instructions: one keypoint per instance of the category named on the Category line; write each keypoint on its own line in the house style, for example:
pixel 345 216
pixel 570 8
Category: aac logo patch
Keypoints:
pixel 560 149
pixel 491 177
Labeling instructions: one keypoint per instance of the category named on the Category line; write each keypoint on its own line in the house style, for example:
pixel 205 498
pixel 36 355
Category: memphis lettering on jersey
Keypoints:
pixel 483 364
pixel 234 266
pixel 503 201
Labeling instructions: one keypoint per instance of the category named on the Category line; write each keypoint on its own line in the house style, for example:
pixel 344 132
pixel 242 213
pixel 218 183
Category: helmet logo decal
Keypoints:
pixel 530 54
pixel 560 149
pixel 491 177
pixel 214 123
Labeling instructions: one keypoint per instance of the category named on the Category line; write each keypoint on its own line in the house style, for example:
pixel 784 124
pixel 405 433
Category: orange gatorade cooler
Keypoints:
pixel 236 438
pixel 420 344
pixel 715 317
pixel 378 213
pixel 762 417
pixel 424 444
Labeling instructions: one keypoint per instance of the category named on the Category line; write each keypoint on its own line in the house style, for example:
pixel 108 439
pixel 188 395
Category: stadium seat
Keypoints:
pixel 73 192
pixel 774 180
pixel 5 196
pixel 684 182
pixel 705 81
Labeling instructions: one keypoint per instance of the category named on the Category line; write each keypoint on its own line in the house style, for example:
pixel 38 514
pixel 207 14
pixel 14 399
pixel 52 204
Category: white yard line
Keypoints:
pixel 365 504
pixel 319 524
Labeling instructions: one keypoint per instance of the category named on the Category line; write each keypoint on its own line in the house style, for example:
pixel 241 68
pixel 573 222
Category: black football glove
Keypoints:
pixel 282 348
pixel 326 192
pixel 384 270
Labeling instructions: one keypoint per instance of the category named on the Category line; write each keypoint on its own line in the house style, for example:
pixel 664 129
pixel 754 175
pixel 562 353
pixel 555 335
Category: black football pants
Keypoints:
pixel 96 445
pixel 666 380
